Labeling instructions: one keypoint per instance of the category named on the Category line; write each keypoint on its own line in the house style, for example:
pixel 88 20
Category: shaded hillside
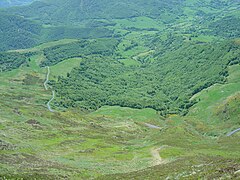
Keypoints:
pixel 7 3
pixel 71 11
pixel 17 32
pixel 100 19
pixel 165 85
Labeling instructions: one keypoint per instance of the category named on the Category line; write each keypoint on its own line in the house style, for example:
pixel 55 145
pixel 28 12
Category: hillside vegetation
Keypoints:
pixel 137 90
pixel 36 143
pixel 101 19
pixel 103 81
pixel 17 32
pixel 7 3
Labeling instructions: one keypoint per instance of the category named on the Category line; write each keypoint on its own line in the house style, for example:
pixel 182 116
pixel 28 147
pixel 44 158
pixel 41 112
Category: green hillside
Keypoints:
pixel 17 32
pixel 101 19
pixel 104 89
pixel 7 3
pixel 72 11
pixel 149 85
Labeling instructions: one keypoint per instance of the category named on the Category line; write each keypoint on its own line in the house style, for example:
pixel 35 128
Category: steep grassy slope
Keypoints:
pixel 36 140
pixel 217 110
pixel 215 114
pixel 36 143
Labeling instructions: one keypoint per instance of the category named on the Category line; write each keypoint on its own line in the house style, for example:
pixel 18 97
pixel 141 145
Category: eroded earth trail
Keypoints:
pixel 157 159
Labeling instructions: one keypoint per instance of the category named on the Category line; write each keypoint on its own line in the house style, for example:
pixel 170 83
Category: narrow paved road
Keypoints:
pixel 233 132
pixel 47 78
pixel 48 104
pixel 46 88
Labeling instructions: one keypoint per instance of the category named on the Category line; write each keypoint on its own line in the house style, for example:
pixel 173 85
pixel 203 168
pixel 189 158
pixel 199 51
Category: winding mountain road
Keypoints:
pixel 46 88
pixel 233 132
pixel 47 78
pixel 48 104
